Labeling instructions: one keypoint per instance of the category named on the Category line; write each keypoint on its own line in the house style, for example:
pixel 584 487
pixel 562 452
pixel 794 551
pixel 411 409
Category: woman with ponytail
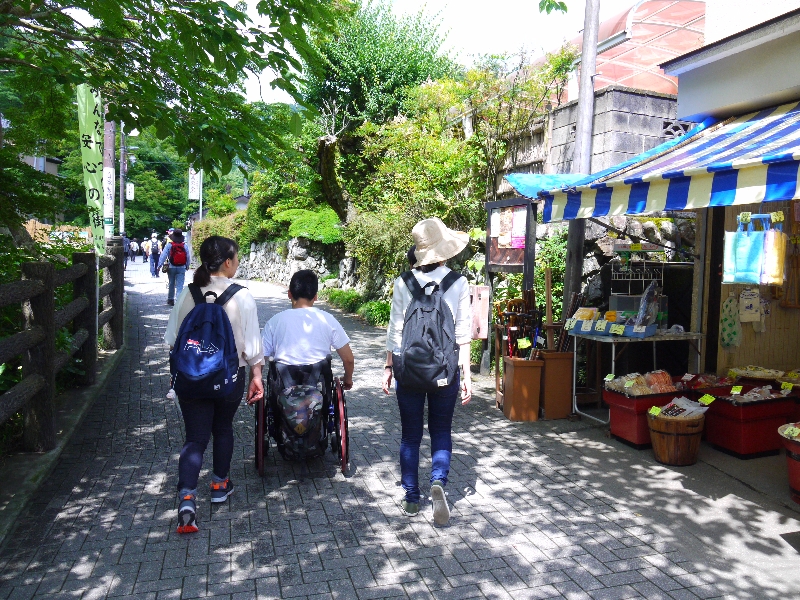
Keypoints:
pixel 204 417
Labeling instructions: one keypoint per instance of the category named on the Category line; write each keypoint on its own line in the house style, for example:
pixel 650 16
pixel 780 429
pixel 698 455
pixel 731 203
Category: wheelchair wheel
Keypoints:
pixel 260 441
pixel 342 430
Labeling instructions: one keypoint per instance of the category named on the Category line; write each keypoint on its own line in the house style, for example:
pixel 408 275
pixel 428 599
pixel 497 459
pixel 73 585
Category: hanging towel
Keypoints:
pixel 730 329
pixel 749 306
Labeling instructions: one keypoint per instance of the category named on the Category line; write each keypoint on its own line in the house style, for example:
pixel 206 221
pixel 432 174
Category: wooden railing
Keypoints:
pixel 36 342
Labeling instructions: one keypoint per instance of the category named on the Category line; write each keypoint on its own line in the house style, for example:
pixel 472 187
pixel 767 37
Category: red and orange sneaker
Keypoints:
pixel 220 490
pixel 187 515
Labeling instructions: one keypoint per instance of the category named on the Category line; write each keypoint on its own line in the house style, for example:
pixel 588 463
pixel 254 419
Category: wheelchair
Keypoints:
pixel 303 411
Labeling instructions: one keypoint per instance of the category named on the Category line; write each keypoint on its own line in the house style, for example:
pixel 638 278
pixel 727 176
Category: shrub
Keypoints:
pixel 475 352
pixel 229 227
pixel 347 300
pixel 376 312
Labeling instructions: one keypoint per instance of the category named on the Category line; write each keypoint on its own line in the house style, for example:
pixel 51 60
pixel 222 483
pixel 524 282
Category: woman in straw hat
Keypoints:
pixel 434 244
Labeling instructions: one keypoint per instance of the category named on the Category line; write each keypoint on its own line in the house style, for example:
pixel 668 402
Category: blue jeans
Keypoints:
pixel 175 276
pixel 202 418
pixel 154 272
pixel 441 405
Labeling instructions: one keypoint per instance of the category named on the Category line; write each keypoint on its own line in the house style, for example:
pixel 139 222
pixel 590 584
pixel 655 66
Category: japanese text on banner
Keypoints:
pixel 90 123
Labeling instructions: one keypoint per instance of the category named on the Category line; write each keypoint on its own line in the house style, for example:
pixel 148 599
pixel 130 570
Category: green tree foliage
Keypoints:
pixel 177 67
pixel 361 73
pixel 218 203
pixel 320 225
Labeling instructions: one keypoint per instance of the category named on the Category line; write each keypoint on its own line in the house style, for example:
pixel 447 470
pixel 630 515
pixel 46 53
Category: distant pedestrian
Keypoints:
pixel 134 249
pixel 145 250
pixel 126 248
pixel 176 254
pixel 445 295
pixel 155 253
pixel 204 416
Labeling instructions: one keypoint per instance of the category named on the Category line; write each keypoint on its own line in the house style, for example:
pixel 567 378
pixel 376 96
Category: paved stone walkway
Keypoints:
pixel 540 510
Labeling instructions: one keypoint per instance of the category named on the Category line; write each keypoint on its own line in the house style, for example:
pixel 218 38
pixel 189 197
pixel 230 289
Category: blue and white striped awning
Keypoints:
pixel 743 160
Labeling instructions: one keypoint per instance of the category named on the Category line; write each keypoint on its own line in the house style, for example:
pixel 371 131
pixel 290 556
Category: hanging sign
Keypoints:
pixel 195 184
pixel 90 125
pixel 129 191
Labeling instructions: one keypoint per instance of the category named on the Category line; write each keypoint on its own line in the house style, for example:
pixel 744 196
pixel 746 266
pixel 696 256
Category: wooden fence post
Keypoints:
pixel 113 330
pixel 87 286
pixel 40 429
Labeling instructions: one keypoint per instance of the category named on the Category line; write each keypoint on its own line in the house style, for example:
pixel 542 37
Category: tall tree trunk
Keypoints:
pixel 336 196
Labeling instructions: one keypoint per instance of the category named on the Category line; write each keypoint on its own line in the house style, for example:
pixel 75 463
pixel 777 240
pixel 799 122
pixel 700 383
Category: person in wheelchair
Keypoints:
pixel 300 380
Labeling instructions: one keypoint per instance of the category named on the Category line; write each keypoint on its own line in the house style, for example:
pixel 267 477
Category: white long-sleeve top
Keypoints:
pixel 457 298
pixel 241 310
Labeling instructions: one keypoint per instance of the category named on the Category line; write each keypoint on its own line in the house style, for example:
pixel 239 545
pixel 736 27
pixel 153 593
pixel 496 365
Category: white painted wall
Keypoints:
pixel 727 17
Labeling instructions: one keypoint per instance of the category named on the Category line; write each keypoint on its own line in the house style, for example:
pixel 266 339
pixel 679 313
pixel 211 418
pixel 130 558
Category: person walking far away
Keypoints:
pixel 304 334
pixel 134 249
pixel 126 248
pixel 177 254
pixel 427 343
pixel 209 350
pixel 155 252
pixel 145 251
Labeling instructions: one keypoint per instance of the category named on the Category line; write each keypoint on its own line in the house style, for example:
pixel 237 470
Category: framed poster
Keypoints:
pixel 507 233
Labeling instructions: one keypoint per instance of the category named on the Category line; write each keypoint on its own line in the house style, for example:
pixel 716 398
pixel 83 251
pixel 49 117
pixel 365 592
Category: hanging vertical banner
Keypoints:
pixel 90 124
pixel 195 183
pixel 129 191
pixel 109 175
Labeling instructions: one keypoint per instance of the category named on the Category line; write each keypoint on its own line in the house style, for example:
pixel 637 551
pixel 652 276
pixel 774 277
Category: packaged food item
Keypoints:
pixel 633 384
pixel 755 372
pixel 585 313
pixel 611 316
pixel 683 407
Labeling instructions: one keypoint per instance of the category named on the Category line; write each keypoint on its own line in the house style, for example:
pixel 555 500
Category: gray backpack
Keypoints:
pixel 428 357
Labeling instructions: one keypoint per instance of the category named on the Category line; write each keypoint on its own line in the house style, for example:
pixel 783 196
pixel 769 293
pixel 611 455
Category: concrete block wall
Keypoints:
pixel 627 122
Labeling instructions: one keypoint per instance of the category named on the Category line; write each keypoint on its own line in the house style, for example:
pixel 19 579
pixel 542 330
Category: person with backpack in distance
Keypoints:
pixel 213 335
pixel 155 252
pixel 176 252
pixel 427 343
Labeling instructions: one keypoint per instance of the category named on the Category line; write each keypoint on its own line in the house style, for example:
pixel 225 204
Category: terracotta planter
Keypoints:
pixel 555 394
pixel 521 384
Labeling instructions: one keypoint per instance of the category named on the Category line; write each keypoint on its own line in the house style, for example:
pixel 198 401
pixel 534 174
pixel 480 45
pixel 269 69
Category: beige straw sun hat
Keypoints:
pixel 436 242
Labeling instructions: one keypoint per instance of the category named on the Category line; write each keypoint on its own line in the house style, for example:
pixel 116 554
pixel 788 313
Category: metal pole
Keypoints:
pixel 582 152
pixel 123 172
pixel 201 196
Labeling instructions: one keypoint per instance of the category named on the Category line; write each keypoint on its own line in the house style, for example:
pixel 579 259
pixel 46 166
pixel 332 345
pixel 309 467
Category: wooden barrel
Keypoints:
pixel 676 440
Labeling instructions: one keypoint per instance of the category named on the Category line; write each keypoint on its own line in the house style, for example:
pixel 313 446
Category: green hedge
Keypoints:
pixel 376 312
pixel 229 227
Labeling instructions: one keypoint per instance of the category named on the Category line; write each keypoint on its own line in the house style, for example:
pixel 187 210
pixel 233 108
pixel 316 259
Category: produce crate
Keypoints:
pixel 628 414
pixel 747 429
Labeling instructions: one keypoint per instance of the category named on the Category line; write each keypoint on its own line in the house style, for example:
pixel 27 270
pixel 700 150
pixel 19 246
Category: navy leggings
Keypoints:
pixel 204 417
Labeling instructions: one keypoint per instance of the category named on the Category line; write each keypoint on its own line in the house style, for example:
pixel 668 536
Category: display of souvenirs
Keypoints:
pixel 754 372
pixel 680 407
pixel 705 380
pixel 633 384
pixel 585 314
pixel 791 431
pixel 761 393
pixel 660 382
pixel 792 377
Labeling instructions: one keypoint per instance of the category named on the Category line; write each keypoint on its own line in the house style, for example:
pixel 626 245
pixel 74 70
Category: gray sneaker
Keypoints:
pixel 441 511
pixel 410 509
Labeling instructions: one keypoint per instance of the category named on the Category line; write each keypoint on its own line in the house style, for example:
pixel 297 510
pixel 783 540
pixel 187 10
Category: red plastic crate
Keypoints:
pixel 795 416
pixel 750 428
pixel 628 415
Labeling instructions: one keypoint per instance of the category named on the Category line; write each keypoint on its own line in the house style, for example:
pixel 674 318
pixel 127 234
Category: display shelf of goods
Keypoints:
pixel 747 429
pixel 790 438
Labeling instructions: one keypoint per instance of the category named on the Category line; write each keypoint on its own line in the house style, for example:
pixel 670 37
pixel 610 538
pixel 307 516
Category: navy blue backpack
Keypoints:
pixel 204 362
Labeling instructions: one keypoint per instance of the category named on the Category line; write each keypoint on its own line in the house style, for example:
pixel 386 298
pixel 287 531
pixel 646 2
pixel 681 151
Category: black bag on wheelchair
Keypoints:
pixel 300 407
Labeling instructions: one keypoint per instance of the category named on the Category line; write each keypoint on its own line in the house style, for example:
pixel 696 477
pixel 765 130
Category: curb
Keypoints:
pixel 29 470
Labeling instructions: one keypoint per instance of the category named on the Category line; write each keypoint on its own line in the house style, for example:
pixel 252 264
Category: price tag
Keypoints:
pixel 793 375
pixel 523 343
pixel 639 329
pixel 655 410
pixel 706 399
pixel 629 383
pixel 513 328
pixel 610 377
pixel 600 325
pixel 587 325
pixel 636 247
pixel 737 389
pixel 618 329
pixel 687 377
pixel 791 432
pixel 785 385
pixel 570 324
pixel 744 217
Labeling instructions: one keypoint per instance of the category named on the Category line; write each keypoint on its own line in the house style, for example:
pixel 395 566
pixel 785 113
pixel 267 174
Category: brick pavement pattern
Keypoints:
pixel 532 517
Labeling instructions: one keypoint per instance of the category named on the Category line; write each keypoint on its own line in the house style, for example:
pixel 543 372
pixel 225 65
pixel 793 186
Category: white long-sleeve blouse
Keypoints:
pixel 457 298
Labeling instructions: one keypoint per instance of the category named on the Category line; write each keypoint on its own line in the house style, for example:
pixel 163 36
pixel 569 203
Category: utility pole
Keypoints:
pixel 109 142
pixel 123 172
pixel 582 150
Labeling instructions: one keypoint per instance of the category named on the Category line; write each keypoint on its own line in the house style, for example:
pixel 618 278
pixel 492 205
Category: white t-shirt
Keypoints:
pixel 302 336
